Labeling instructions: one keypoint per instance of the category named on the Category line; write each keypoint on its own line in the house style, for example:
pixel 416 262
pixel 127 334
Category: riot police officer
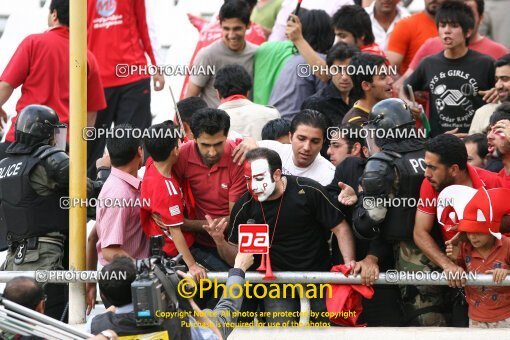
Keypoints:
pixel 33 178
pixel 386 207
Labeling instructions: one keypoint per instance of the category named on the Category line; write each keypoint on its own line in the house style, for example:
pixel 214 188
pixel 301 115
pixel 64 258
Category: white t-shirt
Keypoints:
pixel 321 170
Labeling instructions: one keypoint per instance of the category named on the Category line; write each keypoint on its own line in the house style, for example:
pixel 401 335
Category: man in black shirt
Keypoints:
pixel 300 214
pixel 334 101
pixel 455 76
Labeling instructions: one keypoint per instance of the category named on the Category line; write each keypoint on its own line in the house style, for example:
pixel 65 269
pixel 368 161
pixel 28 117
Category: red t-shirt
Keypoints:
pixel 165 197
pixel 41 65
pixel 212 187
pixel 117 34
pixel 504 178
pixel 435 45
pixel 487 303
pixel 373 48
pixel 479 178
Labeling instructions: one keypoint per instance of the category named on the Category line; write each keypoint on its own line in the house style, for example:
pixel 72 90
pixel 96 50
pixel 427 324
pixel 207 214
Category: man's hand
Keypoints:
pixel 104 162
pixel 456 134
pixel 416 110
pixel 293 31
pixel 347 194
pixel 159 82
pixel 243 261
pixel 455 275
pixel 369 270
pixel 197 271
pixel 239 153
pixel 490 96
pixel 498 274
pixel 216 228
pixel 502 128
pixel 90 296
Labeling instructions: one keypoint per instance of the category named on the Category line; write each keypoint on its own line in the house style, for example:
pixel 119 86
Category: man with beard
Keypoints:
pixel 394 174
pixel 499 139
pixel 410 33
pixel 211 182
pixel 446 164
pixel 300 215
pixel 482 115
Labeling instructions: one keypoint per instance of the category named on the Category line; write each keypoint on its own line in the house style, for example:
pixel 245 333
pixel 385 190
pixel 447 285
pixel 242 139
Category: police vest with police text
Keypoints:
pixel 23 212
pixel 398 224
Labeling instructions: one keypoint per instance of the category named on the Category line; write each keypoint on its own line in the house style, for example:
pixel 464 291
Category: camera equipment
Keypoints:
pixel 155 286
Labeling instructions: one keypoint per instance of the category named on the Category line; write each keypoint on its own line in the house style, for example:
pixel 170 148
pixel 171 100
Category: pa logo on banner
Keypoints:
pixel 254 238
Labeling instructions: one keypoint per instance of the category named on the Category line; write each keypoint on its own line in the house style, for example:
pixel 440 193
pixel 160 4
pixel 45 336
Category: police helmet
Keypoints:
pixel 390 114
pixel 36 124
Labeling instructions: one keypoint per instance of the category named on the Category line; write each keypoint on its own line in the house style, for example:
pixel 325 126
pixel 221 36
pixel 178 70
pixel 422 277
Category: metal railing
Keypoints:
pixel 17 319
pixel 388 278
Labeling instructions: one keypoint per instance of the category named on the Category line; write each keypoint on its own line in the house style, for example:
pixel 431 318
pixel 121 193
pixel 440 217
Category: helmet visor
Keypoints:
pixel 60 136
pixel 370 134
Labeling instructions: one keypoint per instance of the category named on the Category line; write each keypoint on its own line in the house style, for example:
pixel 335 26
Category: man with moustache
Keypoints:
pixel 499 139
pixel 384 14
pixel 446 164
pixel 211 182
pixel 482 115
pixel 300 215
pixel 301 157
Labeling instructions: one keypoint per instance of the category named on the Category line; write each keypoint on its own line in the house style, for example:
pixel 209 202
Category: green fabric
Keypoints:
pixel 270 58
pixel 265 15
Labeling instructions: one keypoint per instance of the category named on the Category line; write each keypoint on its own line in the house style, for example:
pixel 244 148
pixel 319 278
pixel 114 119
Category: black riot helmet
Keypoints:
pixel 390 114
pixel 37 124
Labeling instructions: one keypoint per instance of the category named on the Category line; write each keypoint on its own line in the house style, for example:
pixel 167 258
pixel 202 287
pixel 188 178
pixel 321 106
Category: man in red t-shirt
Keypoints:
pixel 118 34
pixel 446 164
pixel 211 181
pixel 164 196
pixel 41 66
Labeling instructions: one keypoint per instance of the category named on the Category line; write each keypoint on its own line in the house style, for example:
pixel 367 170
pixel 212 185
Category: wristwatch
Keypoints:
pixel 108 334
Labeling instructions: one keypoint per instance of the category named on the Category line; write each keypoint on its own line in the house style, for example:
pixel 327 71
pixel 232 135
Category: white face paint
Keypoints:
pixel 258 178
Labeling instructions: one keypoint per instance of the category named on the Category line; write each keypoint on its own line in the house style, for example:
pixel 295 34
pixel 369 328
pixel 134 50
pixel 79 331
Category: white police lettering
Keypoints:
pixel 415 163
pixel 11 170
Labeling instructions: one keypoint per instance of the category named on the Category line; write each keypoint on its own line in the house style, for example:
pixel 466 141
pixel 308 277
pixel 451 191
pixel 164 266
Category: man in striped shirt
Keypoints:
pixel 118 225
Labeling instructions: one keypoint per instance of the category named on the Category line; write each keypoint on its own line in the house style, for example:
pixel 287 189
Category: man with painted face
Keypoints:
pixel 300 214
